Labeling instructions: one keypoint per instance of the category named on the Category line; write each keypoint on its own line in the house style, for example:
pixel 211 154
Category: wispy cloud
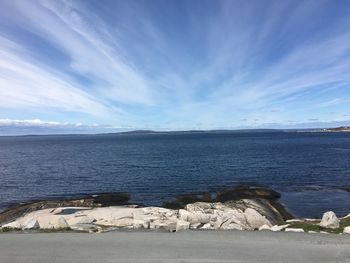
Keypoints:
pixel 174 65
pixel 91 48
pixel 25 83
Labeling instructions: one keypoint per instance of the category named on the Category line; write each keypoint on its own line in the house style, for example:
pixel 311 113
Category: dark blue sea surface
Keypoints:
pixel 311 170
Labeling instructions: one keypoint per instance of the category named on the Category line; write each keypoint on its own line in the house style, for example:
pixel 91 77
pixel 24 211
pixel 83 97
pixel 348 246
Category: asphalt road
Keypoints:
pixel 187 246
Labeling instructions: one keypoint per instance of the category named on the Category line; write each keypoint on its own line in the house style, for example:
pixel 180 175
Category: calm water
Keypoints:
pixel 309 169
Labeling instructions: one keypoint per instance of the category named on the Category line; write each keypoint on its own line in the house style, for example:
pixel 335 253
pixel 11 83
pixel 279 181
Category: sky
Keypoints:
pixel 110 65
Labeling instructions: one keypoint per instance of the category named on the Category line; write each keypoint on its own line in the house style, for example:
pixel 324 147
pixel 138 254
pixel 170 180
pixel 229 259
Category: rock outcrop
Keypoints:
pixel 241 208
pixel 240 215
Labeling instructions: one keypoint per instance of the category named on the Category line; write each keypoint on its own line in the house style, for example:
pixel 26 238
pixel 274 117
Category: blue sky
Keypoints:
pixel 174 65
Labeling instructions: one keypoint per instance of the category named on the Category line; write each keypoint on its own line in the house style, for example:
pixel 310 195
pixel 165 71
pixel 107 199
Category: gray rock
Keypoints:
pixel 86 227
pixel 329 220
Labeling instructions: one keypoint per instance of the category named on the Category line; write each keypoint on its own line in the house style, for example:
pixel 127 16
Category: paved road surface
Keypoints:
pixel 187 246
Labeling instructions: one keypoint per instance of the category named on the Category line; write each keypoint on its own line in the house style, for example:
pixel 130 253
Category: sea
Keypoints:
pixel 310 169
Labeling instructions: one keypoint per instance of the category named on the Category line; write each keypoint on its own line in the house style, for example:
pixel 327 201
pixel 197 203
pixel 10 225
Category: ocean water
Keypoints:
pixel 311 170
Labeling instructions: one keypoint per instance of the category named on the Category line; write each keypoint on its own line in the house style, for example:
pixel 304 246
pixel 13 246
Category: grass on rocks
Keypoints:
pixel 8 229
pixel 313 226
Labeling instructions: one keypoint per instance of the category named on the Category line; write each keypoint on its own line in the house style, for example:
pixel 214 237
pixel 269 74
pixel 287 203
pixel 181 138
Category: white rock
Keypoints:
pixel 31 223
pixel 255 219
pixel 195 215
pixel 294 220
pixel 137 224
pixel 195 225
pixel 123 222
pixel 312 232
pixel 207 226
pixel 264 227
pixel 86 220
pixel 199 207
pixel 276 228
pixel 290 229
pixel 169 225
pixel 231 226
pixel 182 225
pixel 121 213
pixel 86 227
pixel 61 223
pixel 188 216
pixel 346 230
pixel 329 220
pixel 237 217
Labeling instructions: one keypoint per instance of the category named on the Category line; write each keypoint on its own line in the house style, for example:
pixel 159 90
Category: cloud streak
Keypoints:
pixel 151 64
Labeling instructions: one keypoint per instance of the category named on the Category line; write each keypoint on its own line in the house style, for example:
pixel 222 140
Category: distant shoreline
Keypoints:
pixel 151 132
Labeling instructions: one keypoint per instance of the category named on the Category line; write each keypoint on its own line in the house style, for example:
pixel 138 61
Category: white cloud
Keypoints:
pixel 33 122
pixel 238 61
pixel 92 50
pixel 37 126
pixel 25 83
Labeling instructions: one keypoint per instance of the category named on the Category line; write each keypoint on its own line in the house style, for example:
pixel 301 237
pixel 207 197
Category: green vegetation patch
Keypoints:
pixel 8 229
pixel 345 222
pixel 313 226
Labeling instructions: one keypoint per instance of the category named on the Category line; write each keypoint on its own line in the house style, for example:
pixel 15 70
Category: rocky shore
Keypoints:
pixel 244 208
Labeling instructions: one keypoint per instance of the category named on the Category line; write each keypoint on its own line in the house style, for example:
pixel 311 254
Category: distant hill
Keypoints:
pixel 338 129
pixel 198 131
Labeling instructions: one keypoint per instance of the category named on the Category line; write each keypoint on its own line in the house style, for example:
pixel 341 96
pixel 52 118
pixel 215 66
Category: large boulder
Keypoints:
pixel 61 223
pixel 255 219
pixel 329 220
pixel 274 212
